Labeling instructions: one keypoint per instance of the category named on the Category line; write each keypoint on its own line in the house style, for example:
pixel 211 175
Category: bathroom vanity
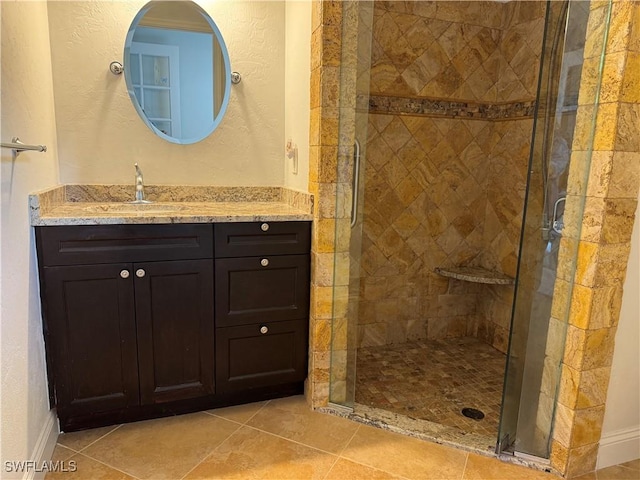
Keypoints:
pixel 171 307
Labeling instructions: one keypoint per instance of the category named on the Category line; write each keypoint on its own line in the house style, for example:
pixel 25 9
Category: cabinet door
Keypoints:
pixel 174 313
pixel 90 324
pixel 260 355
pixel 255 289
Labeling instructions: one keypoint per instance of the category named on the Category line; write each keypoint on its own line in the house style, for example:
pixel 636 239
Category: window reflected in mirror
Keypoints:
pixel 177 70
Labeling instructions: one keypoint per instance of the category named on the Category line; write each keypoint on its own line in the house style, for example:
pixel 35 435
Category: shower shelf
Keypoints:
pixel 476 275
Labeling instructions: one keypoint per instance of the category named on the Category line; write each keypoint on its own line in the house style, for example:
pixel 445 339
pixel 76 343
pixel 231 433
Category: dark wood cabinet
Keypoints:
pixel 267 353
pixel 268 288
pixel 262 304
pixel 174 317
pixel 91 337
pixel 125 335
pixel 148 320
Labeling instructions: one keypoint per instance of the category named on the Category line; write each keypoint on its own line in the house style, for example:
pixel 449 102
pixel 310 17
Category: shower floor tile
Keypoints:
pixel 434 380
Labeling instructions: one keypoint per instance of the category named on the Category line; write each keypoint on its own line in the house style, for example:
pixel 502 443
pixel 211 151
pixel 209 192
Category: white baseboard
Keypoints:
pixel 44 446
pixel 619 447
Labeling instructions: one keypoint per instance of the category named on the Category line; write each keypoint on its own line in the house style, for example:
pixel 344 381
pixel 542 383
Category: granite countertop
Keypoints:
pixel 110 204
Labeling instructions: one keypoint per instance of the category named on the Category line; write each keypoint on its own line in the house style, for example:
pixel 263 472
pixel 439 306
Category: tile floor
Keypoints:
pixel 279 439
pixel 434 380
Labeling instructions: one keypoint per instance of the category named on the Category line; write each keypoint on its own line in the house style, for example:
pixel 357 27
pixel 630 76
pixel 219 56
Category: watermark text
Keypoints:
pixel 23 466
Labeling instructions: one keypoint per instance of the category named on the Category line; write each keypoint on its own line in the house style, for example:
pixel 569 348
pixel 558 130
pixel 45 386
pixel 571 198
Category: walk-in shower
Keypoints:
pixel 457 129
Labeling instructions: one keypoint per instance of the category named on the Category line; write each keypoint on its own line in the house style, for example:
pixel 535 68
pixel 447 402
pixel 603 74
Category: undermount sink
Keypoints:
pixel 132 208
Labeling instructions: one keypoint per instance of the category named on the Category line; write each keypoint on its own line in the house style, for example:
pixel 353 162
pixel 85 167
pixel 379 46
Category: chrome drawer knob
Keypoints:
pixel 264 262
pixel 264 227
pixel 140 273
pixel 264 329
pixel 124 273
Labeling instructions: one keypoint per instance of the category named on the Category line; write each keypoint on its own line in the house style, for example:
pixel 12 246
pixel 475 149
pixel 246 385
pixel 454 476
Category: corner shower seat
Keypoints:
pixel 476 275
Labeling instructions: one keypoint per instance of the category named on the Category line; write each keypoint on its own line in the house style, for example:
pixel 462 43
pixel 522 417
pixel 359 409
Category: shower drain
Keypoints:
pixel 473 413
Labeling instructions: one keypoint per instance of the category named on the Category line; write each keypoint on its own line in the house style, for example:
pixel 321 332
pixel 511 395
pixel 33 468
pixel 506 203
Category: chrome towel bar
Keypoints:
pixel 17 146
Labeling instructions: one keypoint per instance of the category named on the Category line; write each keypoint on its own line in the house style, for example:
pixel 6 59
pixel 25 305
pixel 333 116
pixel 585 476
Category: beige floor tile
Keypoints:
pixel 634 464
pixel 79 440
pixel 346 469
pixel 251 454
pixel 293 419
pixel 162 448
pixel 85 468
pixel 618 472
pixel 62 453
pixel 491 468
pixel 238 413
pixel 405 456
pixel 586 476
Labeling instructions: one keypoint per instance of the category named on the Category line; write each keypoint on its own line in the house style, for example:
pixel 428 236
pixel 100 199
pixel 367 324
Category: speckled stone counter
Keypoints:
pixel 476 275
pixel 110 204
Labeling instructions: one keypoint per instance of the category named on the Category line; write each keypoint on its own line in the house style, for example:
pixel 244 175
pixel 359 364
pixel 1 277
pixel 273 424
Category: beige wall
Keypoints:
pixel 296 86
pixel 27 112
pixel 100 135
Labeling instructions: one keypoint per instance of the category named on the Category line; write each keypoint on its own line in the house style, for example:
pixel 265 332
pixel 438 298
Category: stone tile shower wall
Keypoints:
pixel 452 91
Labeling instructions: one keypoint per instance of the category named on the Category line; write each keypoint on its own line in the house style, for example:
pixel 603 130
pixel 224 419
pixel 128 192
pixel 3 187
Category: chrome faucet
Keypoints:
pixel 139 186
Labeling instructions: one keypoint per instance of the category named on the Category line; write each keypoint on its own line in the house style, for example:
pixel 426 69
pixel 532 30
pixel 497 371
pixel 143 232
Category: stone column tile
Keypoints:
pixel 581 460
pixel 595 308
pixel 326 41
pixel 601 265
pixel 585 389
pixel 326 13
pixel 608 221
pixel 587 349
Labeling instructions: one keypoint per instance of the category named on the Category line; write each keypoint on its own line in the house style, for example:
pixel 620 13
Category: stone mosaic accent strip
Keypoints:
pixel 447 108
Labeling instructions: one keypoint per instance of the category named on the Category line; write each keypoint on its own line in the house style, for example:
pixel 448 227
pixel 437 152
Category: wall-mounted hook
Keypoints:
pixel 236 78
pixel 116 68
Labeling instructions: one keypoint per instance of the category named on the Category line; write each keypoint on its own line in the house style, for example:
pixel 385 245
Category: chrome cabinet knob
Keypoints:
pixel 140 273
pixel 264 227
pixel 264 262
pixel 124 273
pixel 264 329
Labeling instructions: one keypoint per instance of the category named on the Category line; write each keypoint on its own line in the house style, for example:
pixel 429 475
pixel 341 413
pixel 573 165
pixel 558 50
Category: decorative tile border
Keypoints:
pixel 446 108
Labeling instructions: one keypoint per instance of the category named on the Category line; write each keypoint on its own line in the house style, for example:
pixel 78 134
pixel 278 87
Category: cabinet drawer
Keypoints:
pixel 95 244
pixel 259 355
pixel 262 238
pixel 253 289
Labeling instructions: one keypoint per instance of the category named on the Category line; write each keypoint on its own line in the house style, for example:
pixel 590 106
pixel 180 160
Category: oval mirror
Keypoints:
pixel 177 70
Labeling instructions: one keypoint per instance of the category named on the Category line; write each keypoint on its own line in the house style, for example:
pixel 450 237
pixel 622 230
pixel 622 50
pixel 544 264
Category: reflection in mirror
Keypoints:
pixel 177 70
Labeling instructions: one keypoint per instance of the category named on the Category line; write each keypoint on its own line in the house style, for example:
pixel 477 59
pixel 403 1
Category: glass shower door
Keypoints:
pixel 537 334
pixel 357 20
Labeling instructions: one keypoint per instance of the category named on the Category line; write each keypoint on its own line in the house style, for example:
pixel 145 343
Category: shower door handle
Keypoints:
pixel 556 224
pixel 355 183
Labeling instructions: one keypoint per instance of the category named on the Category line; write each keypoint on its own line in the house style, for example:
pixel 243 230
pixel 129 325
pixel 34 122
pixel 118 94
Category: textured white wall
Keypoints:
pixel 26 111
pixel 100 135
pixel 620 440
pixel 297 88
